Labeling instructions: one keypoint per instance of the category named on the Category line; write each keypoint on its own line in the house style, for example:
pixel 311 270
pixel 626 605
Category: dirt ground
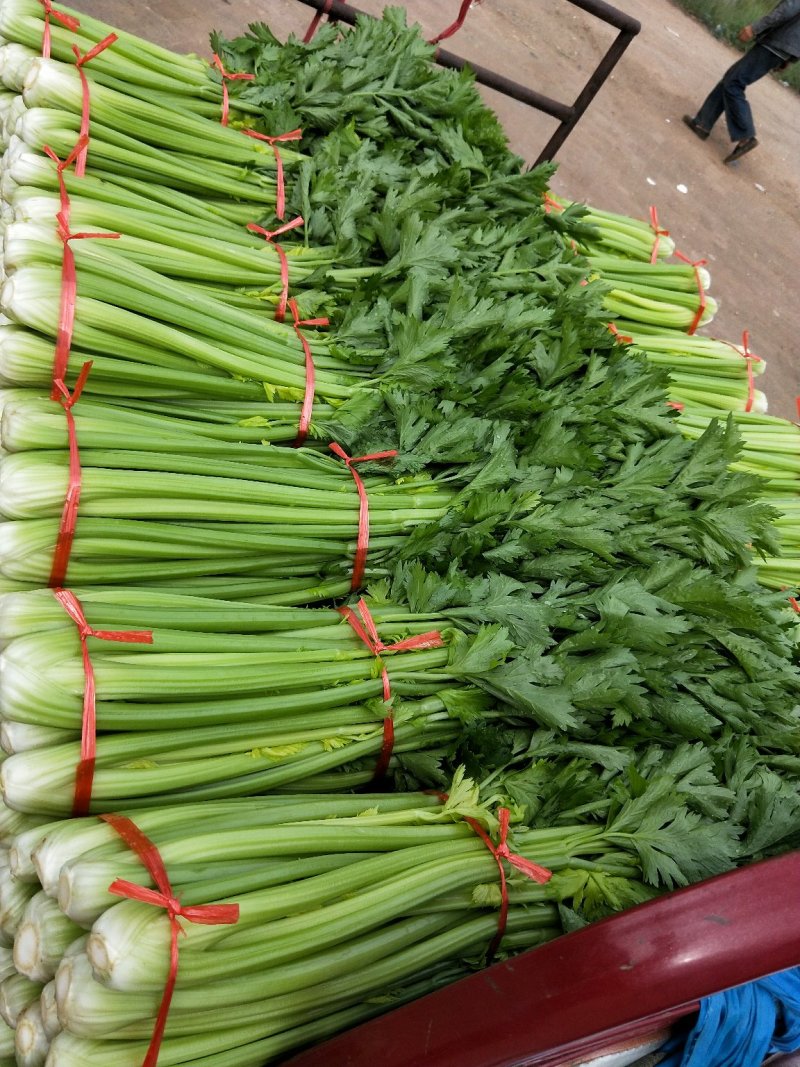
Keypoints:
pixel 629 151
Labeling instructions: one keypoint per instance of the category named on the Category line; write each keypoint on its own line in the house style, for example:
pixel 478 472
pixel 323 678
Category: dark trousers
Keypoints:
pixel 728 94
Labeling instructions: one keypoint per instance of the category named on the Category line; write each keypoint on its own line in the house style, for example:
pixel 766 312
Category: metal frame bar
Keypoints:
pixel 567 114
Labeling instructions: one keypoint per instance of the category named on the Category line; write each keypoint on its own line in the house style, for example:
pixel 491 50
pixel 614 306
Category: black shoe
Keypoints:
pixel 697 130
pixel 741 149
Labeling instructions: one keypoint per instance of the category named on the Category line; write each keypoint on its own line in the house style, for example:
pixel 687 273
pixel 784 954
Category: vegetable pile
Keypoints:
pixel 355 574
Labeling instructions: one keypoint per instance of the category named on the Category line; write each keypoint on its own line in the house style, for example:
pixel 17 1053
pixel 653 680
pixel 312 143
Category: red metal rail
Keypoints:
pixel 616 979
pixel 567 114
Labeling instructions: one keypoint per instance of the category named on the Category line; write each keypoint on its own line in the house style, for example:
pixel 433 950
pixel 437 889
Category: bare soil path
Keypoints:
pixel 629 151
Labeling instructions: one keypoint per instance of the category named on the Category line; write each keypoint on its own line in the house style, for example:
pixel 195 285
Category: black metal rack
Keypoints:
pixel 567 114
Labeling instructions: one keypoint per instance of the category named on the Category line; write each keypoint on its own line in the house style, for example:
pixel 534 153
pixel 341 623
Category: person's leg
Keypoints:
pixel 750 68
pixel 711 109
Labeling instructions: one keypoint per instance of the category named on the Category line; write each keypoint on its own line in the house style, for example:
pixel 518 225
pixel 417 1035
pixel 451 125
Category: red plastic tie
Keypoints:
pixel 312 26
pixel 366 629
pixel 163 897
pixel 85 772
pixel 675 404
pixel 622 338
pixel 69 514
pixel 797 406
pixel 69 22
pixel 657 231
pixel 794 603
pixel 228 77
pixel 269 236
pixel 69 294
pixel 550 204
pixel 750 358
pixel 701 307
pixel 80 62
pixel 454 27
pixel 502 852
pixel 362 544
pixel 280 195
pixel 311 377
pixel 59 391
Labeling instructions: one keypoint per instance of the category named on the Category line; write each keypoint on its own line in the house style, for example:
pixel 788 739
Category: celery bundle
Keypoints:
pixel 344 903
pixel 506 476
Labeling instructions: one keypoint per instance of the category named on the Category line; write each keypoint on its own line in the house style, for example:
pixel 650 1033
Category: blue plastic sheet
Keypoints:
pixel 742 1026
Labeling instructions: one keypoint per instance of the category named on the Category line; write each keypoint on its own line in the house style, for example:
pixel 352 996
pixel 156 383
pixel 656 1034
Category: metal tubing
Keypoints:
pixel 567 114
pixel 588 93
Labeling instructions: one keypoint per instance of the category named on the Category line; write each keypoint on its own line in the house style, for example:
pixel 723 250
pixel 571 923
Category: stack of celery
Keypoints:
pixel 558 592
pixel 707 376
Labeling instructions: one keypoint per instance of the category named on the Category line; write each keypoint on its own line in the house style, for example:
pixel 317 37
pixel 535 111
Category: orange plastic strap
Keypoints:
pixel 311 377
pixel 551 205
pixel 69 514
pixel 273 142
pixel 85 771
pixel 362 544
pixel 502 852
pixel 366 629
pixel 657 231
pixel 455 26
pixel 163 897
pixel 69 22
pixel 312 26
pixel 675 404
pixel 228 77
pixel 750 358
pixel 622 338
pixel 80 61
pixel 701 307
pixel 269 236
pixel 59 391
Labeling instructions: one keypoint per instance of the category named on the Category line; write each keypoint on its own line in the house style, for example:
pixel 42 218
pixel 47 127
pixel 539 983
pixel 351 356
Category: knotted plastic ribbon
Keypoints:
pixel 311 377
pixel 622 338
pixel 69 279
pixel 228 77
pixel 273 142
pixel 312 26
pixel 163 897
pixel 750 358
pixel 69 514
pixel 501 852
pixel 362 543
pixel 269 236
pixel 659 233
pixel 69 22
pixel 701 307
pixel 80 62
pixel 59 391
pixel 85 772
pixel 366 629
pixel 455 26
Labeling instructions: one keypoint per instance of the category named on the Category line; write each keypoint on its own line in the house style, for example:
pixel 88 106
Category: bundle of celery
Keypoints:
pixel 343 904
pixel 216 711
pixel 588 570
pixel 244 510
